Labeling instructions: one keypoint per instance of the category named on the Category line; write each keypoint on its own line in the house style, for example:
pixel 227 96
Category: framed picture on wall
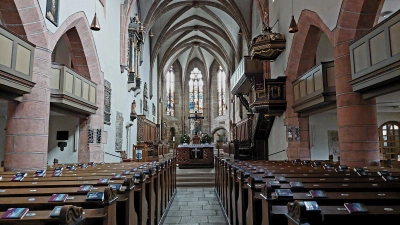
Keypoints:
pixel 52 10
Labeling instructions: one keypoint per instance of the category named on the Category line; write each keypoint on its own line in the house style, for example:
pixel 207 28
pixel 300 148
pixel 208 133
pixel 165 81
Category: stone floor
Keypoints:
pixel 195 206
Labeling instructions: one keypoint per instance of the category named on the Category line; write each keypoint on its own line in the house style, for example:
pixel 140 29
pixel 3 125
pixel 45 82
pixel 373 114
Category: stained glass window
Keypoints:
pixel 221 91
pixel 196 91
pixel 170 92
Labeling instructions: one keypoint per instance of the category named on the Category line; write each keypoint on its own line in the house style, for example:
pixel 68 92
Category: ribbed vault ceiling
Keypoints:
pixel 187 29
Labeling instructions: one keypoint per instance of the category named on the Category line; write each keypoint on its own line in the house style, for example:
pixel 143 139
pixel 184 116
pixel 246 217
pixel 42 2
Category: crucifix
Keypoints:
pixel 197 122
pixel 195 152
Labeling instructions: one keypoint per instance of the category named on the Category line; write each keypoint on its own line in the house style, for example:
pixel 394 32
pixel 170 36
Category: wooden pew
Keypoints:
pixel 333 215
pixel 69 215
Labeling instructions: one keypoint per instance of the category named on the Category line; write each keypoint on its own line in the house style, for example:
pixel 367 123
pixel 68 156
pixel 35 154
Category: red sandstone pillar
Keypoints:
pixel 28 121
pixel 357 119
pixel 297 149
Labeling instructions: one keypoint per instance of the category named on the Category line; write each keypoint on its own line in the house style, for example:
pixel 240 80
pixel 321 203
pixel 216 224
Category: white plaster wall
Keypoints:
pixel 321 123
pixel 384 117
pixel 277 139
pixel 3 121
pixel 328 10
pixel 107 42
pixel 62 123
pixel 324 50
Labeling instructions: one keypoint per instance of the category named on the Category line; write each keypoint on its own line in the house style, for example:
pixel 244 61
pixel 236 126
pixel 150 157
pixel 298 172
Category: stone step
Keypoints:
pixel 196 184
pixel 194 179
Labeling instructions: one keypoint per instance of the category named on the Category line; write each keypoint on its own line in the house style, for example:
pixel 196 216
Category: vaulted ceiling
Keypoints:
pixel 187 29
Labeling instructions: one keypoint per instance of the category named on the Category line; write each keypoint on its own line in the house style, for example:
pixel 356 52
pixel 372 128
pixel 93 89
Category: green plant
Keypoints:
pixel 206 139
pixel 185 138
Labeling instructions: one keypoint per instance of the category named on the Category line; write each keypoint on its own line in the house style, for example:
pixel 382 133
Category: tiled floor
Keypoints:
pixel 195 206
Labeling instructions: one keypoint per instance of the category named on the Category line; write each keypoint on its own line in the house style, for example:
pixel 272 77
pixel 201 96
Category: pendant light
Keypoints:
pixel 293 26
pixel 95 22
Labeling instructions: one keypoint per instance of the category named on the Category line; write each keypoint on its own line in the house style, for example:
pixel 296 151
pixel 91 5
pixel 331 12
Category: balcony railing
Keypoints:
pixel 240 82
pixel 375 59
pixel 69 90
pixel 316 89
pixel 16 63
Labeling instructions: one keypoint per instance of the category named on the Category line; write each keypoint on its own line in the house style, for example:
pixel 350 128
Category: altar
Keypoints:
pixel 195 156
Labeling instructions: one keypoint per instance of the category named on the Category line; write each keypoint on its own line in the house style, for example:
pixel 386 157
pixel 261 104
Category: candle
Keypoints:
pixel 173 138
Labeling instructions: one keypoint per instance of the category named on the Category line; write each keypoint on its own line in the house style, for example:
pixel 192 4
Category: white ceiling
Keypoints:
pixel 389 7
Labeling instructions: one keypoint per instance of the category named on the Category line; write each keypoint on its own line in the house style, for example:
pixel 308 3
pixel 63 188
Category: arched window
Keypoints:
pixel 221 91
pixel 196 91
pixel 389 140
pixel 170 92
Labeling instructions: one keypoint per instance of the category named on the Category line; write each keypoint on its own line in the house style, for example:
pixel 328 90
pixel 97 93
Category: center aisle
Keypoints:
pixel 194 206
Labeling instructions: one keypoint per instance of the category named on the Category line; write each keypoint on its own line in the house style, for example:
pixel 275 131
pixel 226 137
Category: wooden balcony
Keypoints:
pixel 375 59
pixel 16 65
pixel 241 78
pixel 72 93
pixel 315 91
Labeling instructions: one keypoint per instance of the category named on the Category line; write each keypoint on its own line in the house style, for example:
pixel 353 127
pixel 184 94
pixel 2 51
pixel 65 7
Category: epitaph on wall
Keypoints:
pixel 107 102
pixel 119 130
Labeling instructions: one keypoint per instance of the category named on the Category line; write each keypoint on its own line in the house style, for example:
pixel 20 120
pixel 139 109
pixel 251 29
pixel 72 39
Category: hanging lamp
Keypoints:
pixel 293 26
pixel 95 22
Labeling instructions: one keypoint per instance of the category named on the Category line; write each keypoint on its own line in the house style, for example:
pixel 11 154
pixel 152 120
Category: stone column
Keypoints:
pixel 357 118
pixel 297 149
pixel 28 122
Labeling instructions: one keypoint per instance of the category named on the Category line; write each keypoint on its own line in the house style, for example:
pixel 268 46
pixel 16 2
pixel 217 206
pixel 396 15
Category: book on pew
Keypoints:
pixel 95 196
pixel 40 173
pixel 117 187
pixel 71 168
pixel 57 173
pixel 273 183
pixel 102 163
pixel 280 179
pixel 362 173
pixel 126 172
pixel 58 198
pixel 283 193
pixel 20 174
pixel 339 170
pixel 103 181
pixel 328 166
pixel 343 167
pixel 312 207
pixel 17 178
pixel 387 178
pixel 358 169
pixel 55 212
pixel 58 168
pixel 356 207
pixel 383 173
pixel 1 178
pixel 116 177
pixel 268 174
pixel 306 162
pixel 258 179
pixel 82 165
pixel 316 164
pixel 296 184
pixel 134 169
pixel 317 194
pixel 92 164
pixel 85 188
pixel 15 213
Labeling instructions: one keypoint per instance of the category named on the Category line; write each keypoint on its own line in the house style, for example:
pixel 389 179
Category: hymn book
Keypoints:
pixel 58 198
pixel 95 196
pixel 57 173
pixel 296 184
pixel 284 193
pixel 15 213
pixel 268 174
pixel 280 179
pixel 55 212
pixel 274 183
pixel 317 194
pixel 383 173
pixel 103 181
pixel 356 207
pixel 17 178
pixel 116 177
pixel 312 206
pixel 85 188
pixel 117 187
